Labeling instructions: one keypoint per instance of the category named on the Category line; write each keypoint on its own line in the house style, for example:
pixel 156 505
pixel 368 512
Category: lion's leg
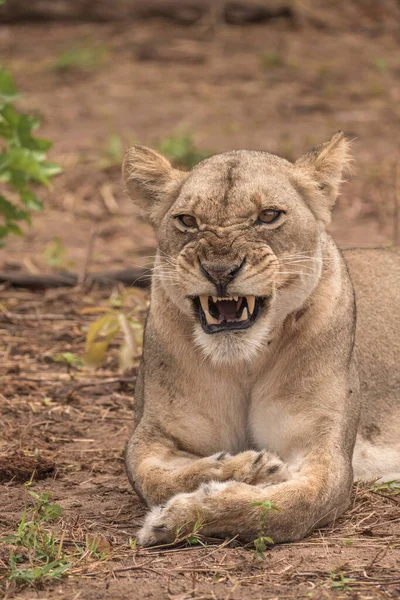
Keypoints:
pixel 313 497
pixel 158 469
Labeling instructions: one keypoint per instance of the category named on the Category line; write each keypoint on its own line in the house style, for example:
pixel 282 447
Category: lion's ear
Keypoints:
pixel 151 181
pixel 322 169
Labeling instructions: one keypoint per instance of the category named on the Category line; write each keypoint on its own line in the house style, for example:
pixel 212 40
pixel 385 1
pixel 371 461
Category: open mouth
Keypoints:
pixel 227 314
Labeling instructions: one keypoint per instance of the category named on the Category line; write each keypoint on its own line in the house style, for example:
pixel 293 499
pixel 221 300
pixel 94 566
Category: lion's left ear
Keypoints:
pixel 321 172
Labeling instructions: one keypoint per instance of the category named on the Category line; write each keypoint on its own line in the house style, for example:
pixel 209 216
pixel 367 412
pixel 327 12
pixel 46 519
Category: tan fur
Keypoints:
pixel 228 420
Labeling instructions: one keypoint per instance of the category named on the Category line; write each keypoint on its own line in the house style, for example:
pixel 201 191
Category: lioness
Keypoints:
pixel 248 388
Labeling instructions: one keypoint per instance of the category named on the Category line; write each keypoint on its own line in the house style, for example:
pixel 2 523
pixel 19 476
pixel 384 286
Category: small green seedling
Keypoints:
pixel 181 150
pixel 37 553
pixel 81 58
pixel 261 543
pixel 55 252
pixel 340 582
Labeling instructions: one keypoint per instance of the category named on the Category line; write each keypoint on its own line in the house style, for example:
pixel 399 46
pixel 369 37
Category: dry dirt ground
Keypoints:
pixel 63 428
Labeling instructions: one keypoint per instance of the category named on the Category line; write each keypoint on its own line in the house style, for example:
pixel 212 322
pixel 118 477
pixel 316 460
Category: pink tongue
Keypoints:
pixel 228 308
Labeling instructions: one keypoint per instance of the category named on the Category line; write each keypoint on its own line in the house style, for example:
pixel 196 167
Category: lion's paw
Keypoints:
pixel 250 467
pixel 167 524
pixel 254 468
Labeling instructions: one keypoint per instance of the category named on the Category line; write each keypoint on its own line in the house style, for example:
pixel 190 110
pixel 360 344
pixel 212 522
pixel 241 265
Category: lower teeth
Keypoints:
pixel 210 320
pixel 244 315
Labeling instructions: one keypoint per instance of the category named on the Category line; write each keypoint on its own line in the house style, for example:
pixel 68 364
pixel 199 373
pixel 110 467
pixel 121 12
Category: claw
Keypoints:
pixel 259 457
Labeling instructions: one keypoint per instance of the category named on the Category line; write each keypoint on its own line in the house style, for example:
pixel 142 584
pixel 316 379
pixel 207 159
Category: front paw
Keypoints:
pixel 250 467
pixel 254 468
pixel 172 522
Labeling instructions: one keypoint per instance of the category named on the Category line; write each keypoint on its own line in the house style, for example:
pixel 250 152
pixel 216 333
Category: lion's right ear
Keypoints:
pixel 151 181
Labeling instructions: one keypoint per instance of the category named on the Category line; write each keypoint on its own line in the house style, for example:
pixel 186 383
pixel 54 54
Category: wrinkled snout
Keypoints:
pixel 221 274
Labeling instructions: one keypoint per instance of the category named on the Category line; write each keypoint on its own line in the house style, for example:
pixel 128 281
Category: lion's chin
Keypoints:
pixel 230 347
pixel 228 314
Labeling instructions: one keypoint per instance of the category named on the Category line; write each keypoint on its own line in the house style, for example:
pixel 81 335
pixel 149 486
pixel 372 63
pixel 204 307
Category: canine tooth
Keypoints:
pixel 215 298
pixel 251 300
pixel 204 303
pixel 235 298
pixel 245 315
pixel 210 320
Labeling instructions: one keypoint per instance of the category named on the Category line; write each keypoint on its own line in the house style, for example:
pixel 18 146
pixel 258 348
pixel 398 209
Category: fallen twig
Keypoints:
pixel 139 277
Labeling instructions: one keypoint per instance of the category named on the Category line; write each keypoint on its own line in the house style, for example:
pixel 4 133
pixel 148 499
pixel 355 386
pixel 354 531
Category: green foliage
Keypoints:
pixel 340 582
pixel 181 150
pixel 265 506
pixel 37 553
pixel 113 153
pixel 68 358
pixel 55 252
pixel 22 161
pixel 388 488
pixel 81 58
pixel 190 536
pixel 261 543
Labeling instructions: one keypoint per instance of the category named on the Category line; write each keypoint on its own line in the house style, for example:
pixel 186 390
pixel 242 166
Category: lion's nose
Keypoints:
pixel 221 274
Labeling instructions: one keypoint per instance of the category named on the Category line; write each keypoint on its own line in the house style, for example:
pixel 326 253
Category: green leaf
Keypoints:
pixel 30 200
pixel 53 511
pixel 68 358
pixel 12 212
pixel 261 544
pixel 50 168
pixel 13 228
pixel 55 252
pixel 10 115
pixel 24 132
pixel 22 159
pixel 8 91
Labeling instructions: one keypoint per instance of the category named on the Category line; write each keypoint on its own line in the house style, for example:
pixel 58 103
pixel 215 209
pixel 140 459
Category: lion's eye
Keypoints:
pixel 187 220
pixel 269 215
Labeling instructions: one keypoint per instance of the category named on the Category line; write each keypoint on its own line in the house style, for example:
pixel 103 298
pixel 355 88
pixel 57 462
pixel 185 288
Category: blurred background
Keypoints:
pixel 192 78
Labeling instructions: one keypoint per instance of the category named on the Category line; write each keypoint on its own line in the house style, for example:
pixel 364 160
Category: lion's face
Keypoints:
pixel 237 236
pixel 239 249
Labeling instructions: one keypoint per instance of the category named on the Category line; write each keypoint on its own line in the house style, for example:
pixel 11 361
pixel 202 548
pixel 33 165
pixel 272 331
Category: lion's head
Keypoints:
pixel 239 237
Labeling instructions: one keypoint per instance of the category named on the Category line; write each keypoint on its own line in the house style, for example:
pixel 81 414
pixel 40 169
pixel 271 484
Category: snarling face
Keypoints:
pixel 239 243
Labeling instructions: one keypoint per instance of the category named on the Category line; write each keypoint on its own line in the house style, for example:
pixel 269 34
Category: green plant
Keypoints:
pixel 191 537
pixel 180 149
pixel 113 153
pixel 340 582
pixel 391 488
pixel 22 161
pixel 55 252
pixel 261 543
pixel 69 359
pixel 265 507
pixel 81 58
pixel 380 64
pixel 120 320
pixel 37 552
